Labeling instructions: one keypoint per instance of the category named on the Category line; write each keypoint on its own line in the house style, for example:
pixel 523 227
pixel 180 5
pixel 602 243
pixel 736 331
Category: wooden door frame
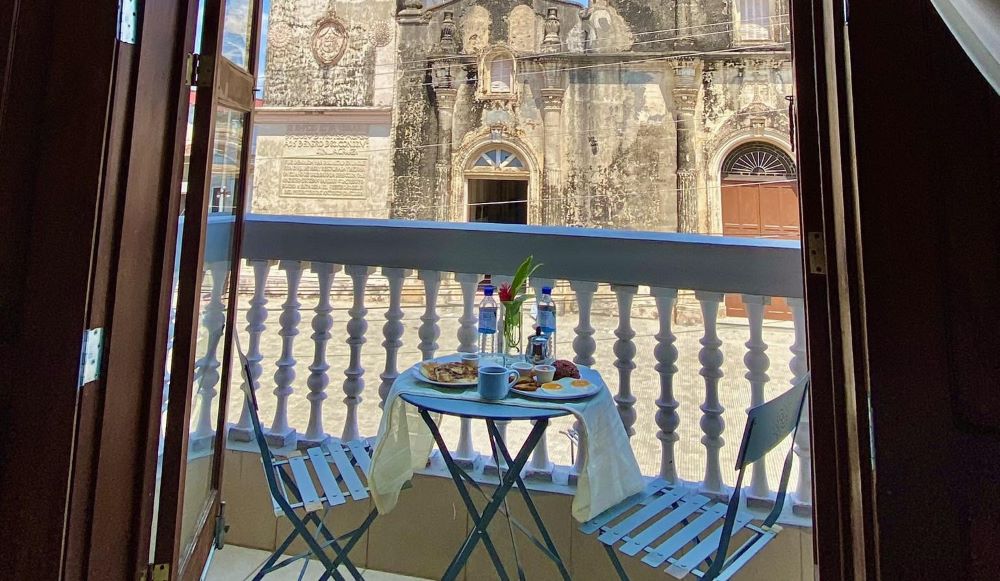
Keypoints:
pixel 844 540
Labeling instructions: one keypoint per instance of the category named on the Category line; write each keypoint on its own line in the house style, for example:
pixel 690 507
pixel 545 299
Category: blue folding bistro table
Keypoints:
pixel 510 477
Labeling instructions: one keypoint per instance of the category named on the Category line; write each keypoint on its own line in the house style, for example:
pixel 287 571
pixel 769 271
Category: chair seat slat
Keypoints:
pixel 303 481
pixel 684 536
pixel 360 455
pixel 347 472
pixel 334 496
pixel 654 507
pixel 733 567
pixel 688 506
pixel 680 568
pixel 594 524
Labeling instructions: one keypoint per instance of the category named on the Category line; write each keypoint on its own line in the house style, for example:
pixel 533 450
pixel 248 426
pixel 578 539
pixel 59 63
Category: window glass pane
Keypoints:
pixel 236 32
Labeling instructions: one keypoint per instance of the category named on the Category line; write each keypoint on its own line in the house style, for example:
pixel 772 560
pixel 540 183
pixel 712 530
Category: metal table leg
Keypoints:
pixel 509 478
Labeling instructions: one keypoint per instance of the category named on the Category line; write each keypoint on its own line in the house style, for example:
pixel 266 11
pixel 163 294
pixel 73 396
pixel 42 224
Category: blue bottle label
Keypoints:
pixel 487 321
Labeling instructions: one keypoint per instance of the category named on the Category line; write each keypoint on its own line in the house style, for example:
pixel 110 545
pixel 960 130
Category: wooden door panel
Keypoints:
pixel 760 210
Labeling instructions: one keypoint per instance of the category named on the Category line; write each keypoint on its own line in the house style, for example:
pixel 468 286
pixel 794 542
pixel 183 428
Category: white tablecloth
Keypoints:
pixel 610 472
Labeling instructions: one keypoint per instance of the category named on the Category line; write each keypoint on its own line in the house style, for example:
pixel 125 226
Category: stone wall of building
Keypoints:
pixel 621 111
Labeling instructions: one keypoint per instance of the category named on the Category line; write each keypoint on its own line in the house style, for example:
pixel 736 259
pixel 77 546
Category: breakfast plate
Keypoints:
pixel 563 389
pixel 448 371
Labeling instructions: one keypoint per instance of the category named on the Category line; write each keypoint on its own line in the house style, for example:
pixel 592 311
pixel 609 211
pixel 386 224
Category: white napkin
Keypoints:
pixel 610 473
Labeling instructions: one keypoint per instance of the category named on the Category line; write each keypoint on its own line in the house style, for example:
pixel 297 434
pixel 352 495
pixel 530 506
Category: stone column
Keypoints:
pixel 685 97
pixel 552 206
pixel 446 108
pixel 683 21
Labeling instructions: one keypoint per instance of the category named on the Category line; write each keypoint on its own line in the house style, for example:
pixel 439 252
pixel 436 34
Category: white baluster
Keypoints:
pixel 757 362
pixel 712 423
pixel 319 379
pixel 584 347
pixel 281 434
pixel 213 319
pixel 429 330
pixel 665 352
pixel 392 330
pixel 540 467
pixel 624 353
pixel 357 326
pixel 489 466
pixel 256 316
pixel 802 496
pixel 466 455
pixel 467 324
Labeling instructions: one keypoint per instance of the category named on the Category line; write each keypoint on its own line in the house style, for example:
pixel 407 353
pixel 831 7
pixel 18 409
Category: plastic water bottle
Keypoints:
pixel 547 318
pixel 488 323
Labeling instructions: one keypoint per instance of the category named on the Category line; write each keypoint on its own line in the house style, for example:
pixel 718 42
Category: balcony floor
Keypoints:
pixel 235 563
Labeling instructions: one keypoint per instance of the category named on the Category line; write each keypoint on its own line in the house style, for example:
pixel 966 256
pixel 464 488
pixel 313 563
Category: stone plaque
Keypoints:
pixel 325 166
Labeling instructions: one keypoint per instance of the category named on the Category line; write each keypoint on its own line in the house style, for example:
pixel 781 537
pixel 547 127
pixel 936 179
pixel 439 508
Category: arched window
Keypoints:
pixel 758 159
pixel 497 74
pixel 753 20
pixel 498 159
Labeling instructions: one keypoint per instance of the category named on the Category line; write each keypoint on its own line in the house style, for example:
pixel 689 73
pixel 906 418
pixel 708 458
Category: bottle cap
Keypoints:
pixel 546 290
pixel 488 290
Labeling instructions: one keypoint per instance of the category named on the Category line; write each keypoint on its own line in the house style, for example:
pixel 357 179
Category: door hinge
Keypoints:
pixel 817 253
pixel 91 351
pixel 128 18
pixel 199 70
pixel 157 572
pixel 221 528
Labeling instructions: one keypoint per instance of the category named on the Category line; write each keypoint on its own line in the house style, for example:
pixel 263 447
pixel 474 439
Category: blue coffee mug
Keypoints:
pixel 495 382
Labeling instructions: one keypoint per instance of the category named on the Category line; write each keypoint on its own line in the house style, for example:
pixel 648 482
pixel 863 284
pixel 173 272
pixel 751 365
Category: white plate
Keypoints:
pixel 568 392
pixel 418 370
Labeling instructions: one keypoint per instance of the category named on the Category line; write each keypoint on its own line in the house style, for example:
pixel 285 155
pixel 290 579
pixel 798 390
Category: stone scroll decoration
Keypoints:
pixel 329 40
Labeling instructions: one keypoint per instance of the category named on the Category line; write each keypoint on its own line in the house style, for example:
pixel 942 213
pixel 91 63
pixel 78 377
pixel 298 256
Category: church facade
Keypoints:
pixel 633 114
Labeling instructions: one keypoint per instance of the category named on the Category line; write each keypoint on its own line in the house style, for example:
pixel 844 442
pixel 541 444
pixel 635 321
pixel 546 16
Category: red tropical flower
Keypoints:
pixel 506 293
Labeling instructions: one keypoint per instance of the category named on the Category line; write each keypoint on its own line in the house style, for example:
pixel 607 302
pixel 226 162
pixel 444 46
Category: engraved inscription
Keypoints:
pixel 325 166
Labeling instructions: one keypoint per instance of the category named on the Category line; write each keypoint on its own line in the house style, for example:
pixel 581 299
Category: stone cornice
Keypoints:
pixel 323 115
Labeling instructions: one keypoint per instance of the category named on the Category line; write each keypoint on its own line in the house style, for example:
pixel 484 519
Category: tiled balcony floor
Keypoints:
pixel 239 564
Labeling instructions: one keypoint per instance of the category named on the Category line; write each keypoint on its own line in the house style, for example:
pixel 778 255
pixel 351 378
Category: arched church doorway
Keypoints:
pixel 497 187
pixel 760 200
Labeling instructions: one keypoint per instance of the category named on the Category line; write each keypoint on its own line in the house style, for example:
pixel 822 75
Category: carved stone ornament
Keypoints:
pixel 280 35
pixel 552 26
pixel 448 31
pixel 381 33
pixel 329 40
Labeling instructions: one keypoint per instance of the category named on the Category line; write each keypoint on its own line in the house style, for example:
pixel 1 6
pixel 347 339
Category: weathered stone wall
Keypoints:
pixel 360 76
pixel 611 154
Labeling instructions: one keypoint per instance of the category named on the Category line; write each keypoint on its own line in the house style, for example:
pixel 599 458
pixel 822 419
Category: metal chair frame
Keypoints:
pixel 767 425
pixel 290 484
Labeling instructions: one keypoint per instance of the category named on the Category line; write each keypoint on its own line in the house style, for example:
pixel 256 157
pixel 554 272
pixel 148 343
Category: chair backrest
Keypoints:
pixel 250 393
pixel 771 422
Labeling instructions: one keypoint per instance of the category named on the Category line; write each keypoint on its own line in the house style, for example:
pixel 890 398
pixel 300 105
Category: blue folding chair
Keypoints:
pixel 291 482
pixel 682 519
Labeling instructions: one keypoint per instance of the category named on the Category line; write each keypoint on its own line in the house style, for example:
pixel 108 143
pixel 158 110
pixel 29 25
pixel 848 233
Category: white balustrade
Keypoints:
pixel 468 333
pixel 664 263
pixel 357 326
pixel 213 319
pixel 712 424
pixel 667 418
pixel 319 379
pixel 757 363
pixel 281 433
pixel 624 354
pixel 584 347
pixel 802 496
pixel 392 330
pixel 256 317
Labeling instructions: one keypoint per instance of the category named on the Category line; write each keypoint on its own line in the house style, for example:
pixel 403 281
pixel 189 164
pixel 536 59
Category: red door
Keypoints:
pixel 760 210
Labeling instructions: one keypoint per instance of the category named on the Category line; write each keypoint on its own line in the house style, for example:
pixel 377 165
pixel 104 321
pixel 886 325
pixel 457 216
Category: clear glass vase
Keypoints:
pixel 512 348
